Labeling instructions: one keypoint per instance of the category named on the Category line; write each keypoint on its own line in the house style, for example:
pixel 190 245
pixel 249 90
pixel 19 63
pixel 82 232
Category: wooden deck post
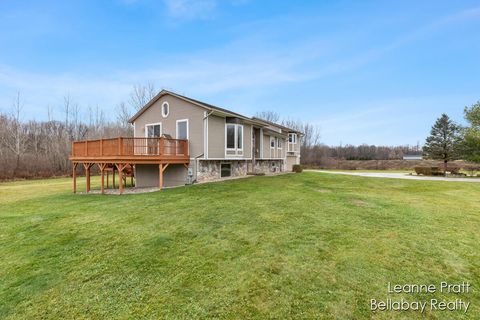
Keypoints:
pixel 161 169
pixel 74 175
pixel 120 177
pixel 160 176
pixel 102 173
pixel 87 166
pixel 102 166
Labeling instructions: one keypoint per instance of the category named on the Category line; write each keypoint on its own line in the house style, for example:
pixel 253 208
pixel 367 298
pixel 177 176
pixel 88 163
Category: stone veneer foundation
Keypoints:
pixel 209 170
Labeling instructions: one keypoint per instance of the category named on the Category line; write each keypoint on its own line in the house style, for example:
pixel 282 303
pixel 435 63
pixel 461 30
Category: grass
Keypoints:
pixel 365 170
pixel 308 245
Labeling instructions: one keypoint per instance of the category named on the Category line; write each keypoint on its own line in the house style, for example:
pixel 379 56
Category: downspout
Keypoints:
pixel 203 153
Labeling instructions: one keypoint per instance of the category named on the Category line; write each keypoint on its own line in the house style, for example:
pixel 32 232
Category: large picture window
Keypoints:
pixel 234 138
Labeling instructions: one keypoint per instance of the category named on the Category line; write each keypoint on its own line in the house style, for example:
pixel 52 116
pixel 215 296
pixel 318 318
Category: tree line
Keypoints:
pixel 315 153
pixel 31 148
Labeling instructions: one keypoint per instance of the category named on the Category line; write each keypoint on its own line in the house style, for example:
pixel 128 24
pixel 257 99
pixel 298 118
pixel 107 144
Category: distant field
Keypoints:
pixel 300 246
pixel 333 164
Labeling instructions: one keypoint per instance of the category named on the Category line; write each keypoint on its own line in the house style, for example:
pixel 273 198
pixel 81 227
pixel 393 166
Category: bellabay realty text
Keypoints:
pixel 433 304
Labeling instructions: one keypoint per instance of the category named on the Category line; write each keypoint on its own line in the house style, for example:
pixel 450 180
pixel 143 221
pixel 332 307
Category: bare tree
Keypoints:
pixel 15 138
pixel 141 94
pixel 66 108
pixel 271 116
pixel 123 114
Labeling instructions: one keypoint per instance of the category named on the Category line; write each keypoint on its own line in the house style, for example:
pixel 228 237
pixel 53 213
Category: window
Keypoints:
pixel 272 142
pixel 234 138
pixel 182 129
pixel 231 136
pixel 279 143
pixel 292 138
pixel 225 170
pixel 153 130
pixel 165 109
pixel 239 137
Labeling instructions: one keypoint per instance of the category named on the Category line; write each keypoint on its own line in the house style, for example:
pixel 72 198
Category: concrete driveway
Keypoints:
pixel 396 175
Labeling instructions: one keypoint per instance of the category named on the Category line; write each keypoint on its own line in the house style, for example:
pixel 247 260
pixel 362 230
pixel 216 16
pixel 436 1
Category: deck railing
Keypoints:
pixel 154 147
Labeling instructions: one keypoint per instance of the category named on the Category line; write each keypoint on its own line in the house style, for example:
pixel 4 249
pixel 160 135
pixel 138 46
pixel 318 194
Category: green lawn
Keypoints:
pixel 307 245
pixel 365 170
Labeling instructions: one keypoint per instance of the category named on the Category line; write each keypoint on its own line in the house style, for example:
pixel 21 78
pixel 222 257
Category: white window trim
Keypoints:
pixel 261 143
pixel 236 136
pixel 278 143
pixel 291 145
pixel 294 138
pixel 153 124
pixel 272 139
pixel 176 128
pixel 145 149
pixel 168 109
pixel 238 151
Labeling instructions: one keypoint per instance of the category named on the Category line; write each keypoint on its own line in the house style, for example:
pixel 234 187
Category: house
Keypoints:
pixel 412 157
pixel 179 140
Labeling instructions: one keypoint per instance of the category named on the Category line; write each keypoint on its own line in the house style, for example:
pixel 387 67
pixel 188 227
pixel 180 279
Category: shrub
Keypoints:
pixel 297 168
pixel 428 171
pixel 453 170
pixel 471 169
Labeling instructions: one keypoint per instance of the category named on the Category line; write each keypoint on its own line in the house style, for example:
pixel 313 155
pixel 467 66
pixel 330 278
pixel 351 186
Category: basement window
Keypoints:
pixel 225 170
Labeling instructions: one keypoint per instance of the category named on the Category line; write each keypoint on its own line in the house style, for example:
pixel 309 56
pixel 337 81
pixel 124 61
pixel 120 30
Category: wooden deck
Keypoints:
pixel 131 150
pixel 122 154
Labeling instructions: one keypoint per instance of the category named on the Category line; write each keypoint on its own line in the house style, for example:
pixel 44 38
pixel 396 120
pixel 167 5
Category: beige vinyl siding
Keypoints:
pixel 247 141
pixel 216 137
pixel 179 110
pixel 297 145
pixel 266 146
pixel 291 160
pixel 281 152
pixel 275 153
pixel 147 175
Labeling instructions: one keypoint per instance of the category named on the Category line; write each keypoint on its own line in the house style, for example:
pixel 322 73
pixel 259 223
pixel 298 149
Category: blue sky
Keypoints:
pixel 377 72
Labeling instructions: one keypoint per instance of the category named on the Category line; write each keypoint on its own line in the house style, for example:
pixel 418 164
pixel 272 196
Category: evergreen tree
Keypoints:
pixel 443 142
pixel 471 135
